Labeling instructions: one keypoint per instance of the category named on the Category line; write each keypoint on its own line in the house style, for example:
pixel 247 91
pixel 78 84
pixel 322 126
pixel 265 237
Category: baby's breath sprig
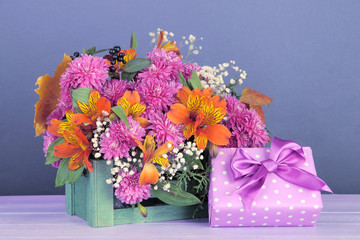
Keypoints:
pixel 190 42
pixel 124 166
pixel 213 77
pixel 101 128
pixel 185 158
pixel 154 36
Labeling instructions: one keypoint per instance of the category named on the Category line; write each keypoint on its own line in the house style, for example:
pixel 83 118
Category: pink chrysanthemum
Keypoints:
pixel 85 71
pixel 114 89
pixel 165 130
pixel 65 102
pixel 189 68
pixel 165 66
pixel 58 113
pixel 246 127
pixel 130 191
pixel 48 139
pixel 157 95
pixel 119 139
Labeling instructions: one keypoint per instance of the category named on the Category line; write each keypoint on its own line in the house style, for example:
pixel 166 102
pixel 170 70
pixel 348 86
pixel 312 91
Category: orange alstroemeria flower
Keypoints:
pixel 97 107
pixel 150 174
pixel 129 55
pixel 76 147
pixel 58 127
pixel 169 46
pixel 200 113
pixel 130 101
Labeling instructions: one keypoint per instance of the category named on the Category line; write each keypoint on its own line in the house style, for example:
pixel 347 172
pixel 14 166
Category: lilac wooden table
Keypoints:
pixel 44 217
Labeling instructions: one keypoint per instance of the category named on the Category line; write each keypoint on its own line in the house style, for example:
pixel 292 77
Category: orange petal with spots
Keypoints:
pixel 80 118
pixel 66 150
pixel 76 161
pixel 178 114
pixel 160 40
pixel 132 97
pixel 54 127
pixel 188 130
pixel 201 140
pixel 217 134
pixel 161 160
pixel 149 174
pixel 88 164
pixel 163 149
pixel 102 104
pixel 183 95
pixel 218 102
pixel 143 121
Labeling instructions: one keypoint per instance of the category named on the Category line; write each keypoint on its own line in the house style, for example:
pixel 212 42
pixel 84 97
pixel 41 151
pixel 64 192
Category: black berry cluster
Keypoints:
pixel 75 55
pixel 116 55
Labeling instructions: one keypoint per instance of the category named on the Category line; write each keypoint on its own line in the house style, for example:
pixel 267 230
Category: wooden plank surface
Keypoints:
pixel 44 217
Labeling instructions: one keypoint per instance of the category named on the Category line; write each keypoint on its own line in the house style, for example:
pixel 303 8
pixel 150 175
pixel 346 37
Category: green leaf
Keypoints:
pixel 176 197
pixel 133 42
pixel 50 158
pixel 74 175
pixel 192 161
pixel 81 95
pixel 194 81
pixel 84 50
pixel 120 112
pixel 62 175
pixel 127 76
pixel 91 51
pixel 183 80
pixel 136 65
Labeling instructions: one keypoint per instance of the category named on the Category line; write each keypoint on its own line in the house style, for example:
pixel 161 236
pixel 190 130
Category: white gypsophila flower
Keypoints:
pixel 196 52
pixel 166 186
pixel 109 181
pixel 232 82
pixel 192 38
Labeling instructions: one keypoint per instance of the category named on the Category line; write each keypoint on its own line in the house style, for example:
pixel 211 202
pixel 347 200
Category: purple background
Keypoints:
pixel 306 55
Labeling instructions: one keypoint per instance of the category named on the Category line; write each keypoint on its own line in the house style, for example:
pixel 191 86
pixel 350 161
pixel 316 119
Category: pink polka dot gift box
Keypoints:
pixel 274 186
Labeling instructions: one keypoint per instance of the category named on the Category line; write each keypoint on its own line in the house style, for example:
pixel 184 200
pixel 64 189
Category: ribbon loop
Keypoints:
pixel 284 158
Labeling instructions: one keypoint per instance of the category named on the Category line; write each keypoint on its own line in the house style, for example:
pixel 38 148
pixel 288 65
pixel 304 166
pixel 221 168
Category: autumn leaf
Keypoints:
pixel 49 92
pixel 255 100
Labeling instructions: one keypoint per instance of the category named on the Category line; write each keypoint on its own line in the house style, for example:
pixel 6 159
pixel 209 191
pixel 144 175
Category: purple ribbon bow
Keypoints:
pixel 284 159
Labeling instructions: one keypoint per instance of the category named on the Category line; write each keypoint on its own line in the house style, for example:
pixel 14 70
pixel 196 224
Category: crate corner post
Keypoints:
pixel 100 200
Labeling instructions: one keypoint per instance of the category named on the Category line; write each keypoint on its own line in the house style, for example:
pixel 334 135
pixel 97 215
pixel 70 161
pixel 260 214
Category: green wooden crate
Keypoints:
pixel 92 199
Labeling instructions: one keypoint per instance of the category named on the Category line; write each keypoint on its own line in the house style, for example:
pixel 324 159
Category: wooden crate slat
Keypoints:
pixel 92 199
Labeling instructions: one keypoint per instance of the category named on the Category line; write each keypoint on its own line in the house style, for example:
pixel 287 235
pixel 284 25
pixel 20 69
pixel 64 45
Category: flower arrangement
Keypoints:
pixel 157 120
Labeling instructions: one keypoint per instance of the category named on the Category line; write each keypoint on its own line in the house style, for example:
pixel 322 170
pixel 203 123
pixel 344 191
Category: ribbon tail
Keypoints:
pixel 249 189
pixel 302 178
